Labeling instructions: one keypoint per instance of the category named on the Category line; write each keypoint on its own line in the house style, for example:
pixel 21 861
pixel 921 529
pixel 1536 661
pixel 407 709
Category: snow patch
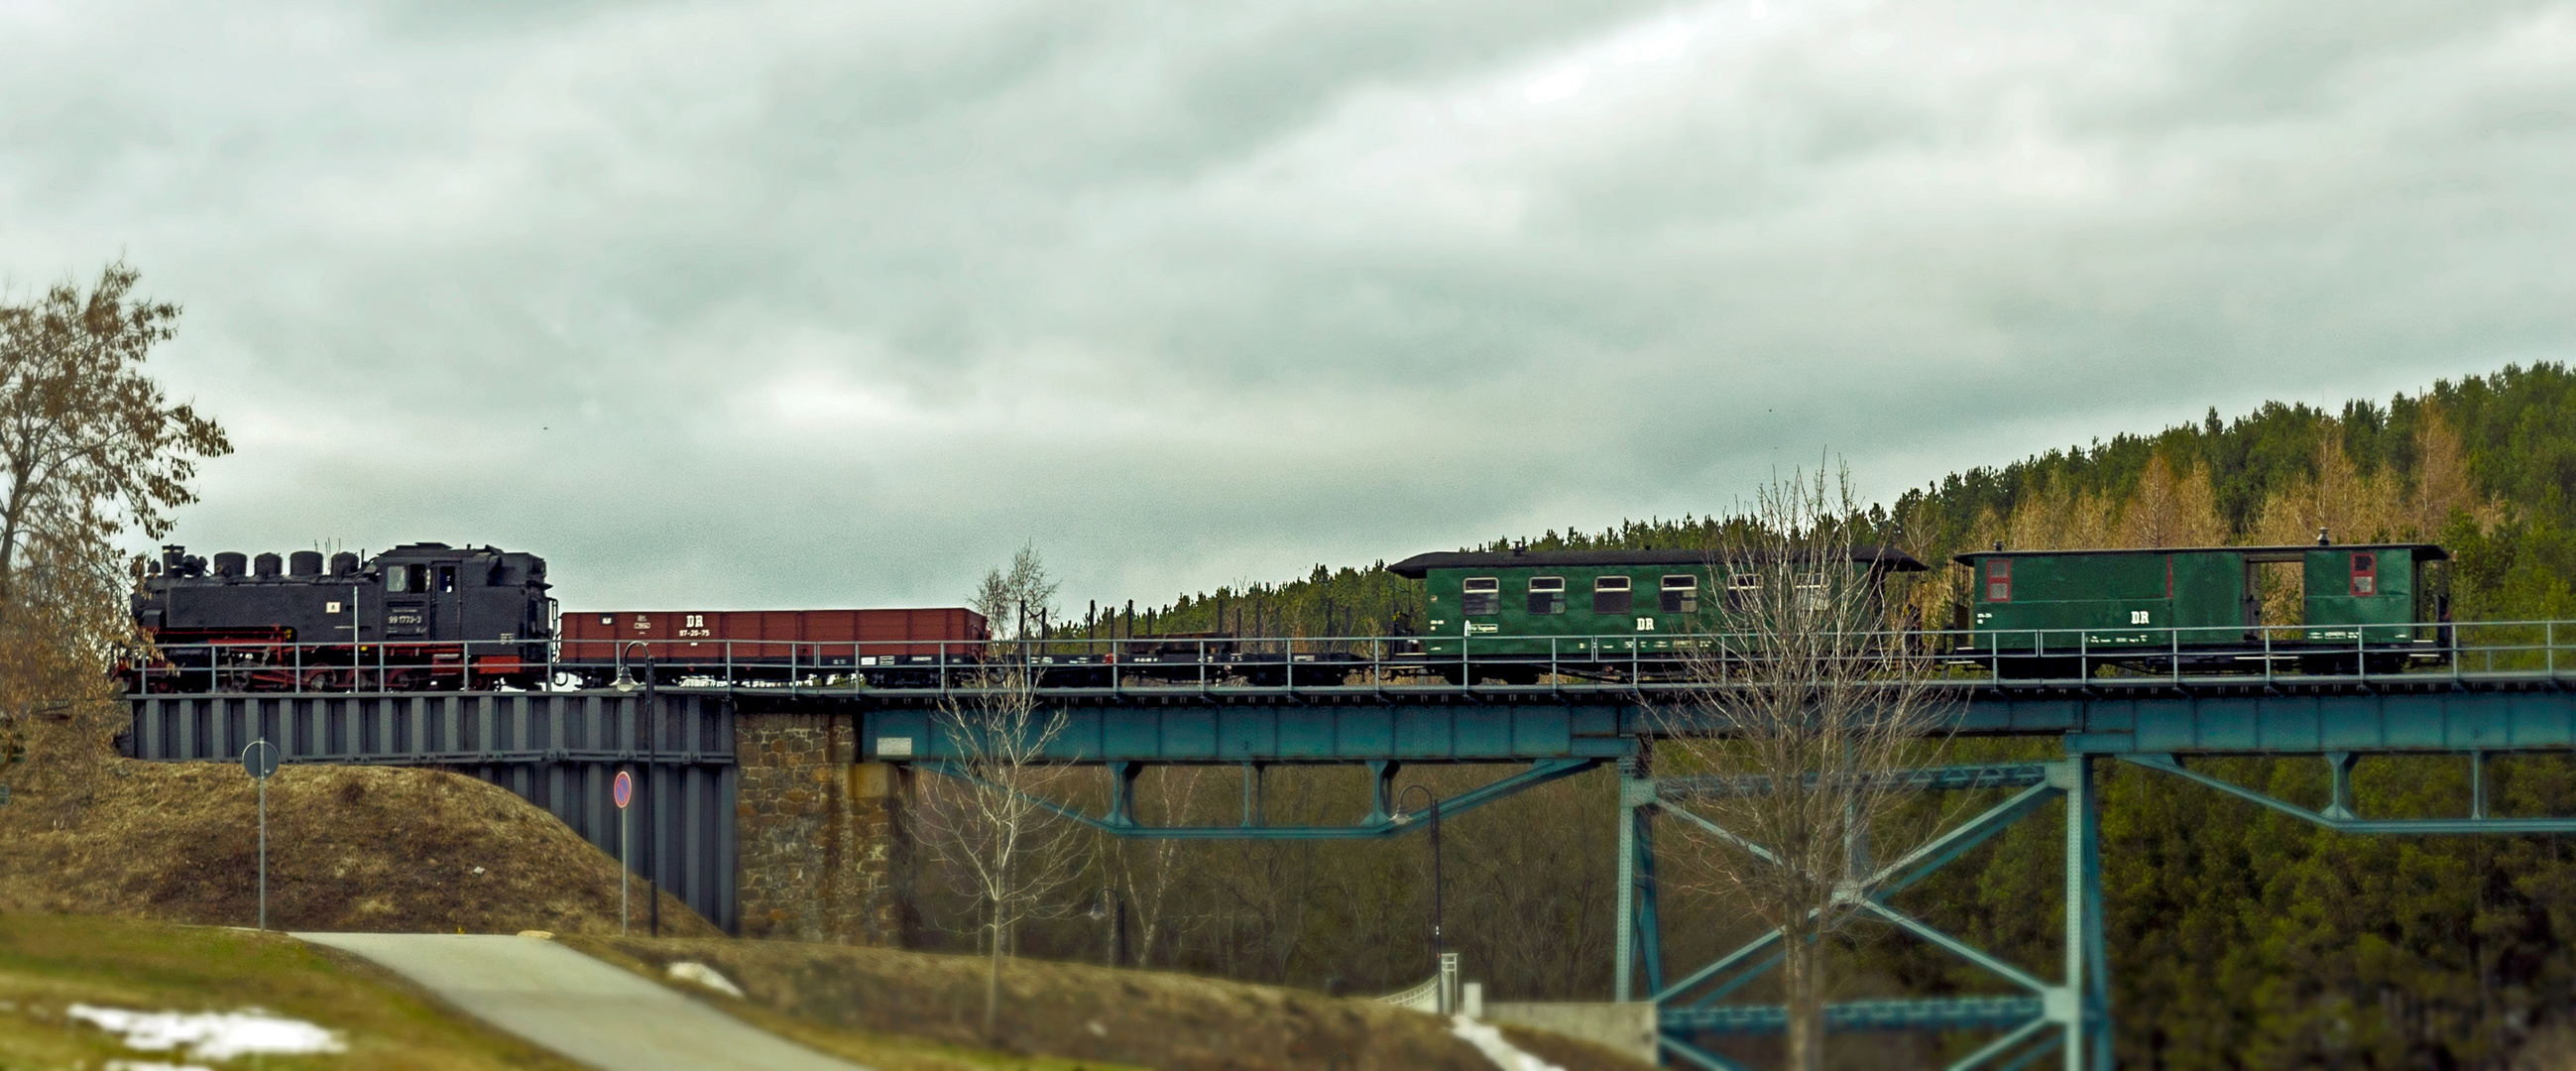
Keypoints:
pixel 1489 1040
pixel 211 1035
pixel 699 974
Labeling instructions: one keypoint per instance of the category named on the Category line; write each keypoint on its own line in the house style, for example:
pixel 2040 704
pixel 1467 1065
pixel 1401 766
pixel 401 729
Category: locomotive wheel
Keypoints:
pixel 324 680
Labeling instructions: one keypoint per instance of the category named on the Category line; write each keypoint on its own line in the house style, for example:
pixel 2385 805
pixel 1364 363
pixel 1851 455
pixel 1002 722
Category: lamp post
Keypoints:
pixel 652 752
pixel 1438 948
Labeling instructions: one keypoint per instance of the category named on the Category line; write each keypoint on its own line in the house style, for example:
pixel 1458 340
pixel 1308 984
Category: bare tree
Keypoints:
pixel 1805 705
pixel 1004 846
pixel 1015 600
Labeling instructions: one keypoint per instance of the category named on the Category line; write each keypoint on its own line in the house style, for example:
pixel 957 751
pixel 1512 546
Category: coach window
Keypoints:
pixel 1681 594
pixel 1610 595
pixel 1811 593
pixel 1546 595
pixel 1999 580
pixel 2365 574
pixel 1742 590
pixel 1480 595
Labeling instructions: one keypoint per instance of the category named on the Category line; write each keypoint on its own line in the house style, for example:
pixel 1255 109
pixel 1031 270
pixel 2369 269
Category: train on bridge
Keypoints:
pixel 427 616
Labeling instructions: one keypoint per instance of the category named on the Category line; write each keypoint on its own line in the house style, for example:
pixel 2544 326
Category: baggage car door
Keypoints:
pixel 2360 595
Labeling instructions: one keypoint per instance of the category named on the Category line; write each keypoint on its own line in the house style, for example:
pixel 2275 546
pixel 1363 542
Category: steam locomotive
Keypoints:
pixel 422 615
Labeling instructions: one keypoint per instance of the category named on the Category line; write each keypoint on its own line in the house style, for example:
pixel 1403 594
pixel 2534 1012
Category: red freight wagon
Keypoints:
pixel 681 641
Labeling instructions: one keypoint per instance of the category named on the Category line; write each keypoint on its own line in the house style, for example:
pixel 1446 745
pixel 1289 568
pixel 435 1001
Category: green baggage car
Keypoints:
pixel 1513 616
pixel 2201 609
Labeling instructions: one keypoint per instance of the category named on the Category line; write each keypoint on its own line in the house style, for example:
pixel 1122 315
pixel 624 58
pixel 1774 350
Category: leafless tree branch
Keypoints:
pixel 1805 694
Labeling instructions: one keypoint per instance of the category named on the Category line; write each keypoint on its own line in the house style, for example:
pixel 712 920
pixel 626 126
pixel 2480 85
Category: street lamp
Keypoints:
pixel 1437 947
pixel 625 682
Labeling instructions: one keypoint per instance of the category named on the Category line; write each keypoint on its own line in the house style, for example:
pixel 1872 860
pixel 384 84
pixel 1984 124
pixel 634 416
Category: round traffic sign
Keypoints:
pixel 623 790
pixel 260 758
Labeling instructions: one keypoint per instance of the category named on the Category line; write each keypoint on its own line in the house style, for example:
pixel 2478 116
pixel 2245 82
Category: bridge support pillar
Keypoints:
pixel 2088 982
pixel 826 854
pixel 1640 941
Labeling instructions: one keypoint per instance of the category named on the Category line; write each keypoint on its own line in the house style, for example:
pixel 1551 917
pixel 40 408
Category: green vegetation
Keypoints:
pixel 48 963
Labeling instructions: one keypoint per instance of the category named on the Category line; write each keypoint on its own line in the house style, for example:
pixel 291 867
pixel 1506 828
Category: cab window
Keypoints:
pixel 1680 594
pixel 1480 595
pixel 1547 595
pixel 1610 595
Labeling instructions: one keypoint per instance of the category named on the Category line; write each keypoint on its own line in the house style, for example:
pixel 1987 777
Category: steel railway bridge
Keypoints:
pixel 559 748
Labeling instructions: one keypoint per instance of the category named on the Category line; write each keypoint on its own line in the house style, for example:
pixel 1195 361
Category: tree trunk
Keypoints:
pixel 1803 979
pixel 993 984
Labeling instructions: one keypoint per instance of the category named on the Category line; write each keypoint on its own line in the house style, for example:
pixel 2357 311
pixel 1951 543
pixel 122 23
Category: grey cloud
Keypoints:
pixel 795 303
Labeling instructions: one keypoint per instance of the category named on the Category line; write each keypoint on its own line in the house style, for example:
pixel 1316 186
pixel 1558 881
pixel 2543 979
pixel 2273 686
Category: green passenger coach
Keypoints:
pixel 2060 611
pixel 1512 613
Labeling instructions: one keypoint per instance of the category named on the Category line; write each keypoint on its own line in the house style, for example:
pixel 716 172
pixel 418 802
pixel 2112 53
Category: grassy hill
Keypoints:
pixel 51 963
pixel 879 1006
pixel 380 849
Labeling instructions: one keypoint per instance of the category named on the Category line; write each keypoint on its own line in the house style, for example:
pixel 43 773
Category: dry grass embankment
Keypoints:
pixel 356 848
pixel 865 1003
pixel 50 962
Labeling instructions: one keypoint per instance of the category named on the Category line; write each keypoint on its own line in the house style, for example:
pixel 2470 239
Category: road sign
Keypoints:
pixel 623 791
pixel 260 759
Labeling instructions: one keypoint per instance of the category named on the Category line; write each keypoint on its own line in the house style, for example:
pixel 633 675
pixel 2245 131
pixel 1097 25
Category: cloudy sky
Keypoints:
pixel 836 303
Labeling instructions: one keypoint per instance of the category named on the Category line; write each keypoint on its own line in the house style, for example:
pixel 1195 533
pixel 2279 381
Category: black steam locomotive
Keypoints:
pixel 422 615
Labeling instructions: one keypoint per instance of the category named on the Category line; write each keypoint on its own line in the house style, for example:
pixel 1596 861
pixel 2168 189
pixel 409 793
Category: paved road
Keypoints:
pixel 575 1005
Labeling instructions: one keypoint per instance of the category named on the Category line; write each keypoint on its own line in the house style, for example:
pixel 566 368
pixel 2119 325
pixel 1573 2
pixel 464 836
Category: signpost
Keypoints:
pixel 260 761
pixel 623 791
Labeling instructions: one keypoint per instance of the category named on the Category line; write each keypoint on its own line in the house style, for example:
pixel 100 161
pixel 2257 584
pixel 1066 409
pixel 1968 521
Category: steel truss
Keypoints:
pixel 1383 819
pixel 2338 814
pixel 2071 1016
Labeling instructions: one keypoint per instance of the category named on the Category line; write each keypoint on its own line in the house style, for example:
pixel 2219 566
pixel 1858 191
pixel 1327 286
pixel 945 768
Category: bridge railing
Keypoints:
pixel 2131 654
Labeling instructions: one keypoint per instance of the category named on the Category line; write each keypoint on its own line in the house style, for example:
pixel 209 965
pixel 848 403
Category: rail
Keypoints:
pixel 2125 655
